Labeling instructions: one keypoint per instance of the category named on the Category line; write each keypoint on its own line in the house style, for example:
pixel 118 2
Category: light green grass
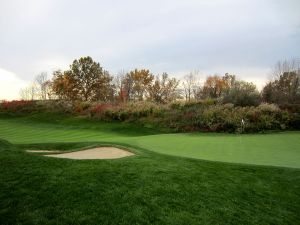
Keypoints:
pixel 277 149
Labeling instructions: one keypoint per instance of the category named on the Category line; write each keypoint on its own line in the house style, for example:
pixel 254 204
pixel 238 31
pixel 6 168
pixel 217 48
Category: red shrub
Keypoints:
pixel 100 108
pixel 17 106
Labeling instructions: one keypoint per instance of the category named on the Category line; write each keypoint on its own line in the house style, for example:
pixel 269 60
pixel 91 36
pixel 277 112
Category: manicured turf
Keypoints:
pixel 148 188
pixel 280 149
pixel 277 149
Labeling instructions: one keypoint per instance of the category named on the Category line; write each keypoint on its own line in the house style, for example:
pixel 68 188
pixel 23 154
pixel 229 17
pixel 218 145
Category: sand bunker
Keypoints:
pixel 46 151
pixel 95 153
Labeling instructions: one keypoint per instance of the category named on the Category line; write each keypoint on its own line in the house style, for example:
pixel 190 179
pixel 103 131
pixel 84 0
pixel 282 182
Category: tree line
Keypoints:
pixel 86 80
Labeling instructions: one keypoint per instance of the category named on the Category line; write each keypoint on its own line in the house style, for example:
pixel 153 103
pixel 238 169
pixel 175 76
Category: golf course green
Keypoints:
pixel 276 149
pixel 197 178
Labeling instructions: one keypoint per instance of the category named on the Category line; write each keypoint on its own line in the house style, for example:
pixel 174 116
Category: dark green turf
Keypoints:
pixel 148 188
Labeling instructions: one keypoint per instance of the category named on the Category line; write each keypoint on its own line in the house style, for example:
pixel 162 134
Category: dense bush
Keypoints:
pixel 227 118
pixel 36 106
pixel 57 106
pixel 196 116
pixel 18 106
pixel 131 111
pixel 205 115
pixel 294 110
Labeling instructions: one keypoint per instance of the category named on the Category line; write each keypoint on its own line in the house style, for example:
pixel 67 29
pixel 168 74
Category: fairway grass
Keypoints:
pixel 153 187
pixel 276 149
pixel 149 188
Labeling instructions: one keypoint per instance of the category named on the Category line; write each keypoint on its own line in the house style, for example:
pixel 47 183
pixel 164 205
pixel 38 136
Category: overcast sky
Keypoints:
pixel 242 37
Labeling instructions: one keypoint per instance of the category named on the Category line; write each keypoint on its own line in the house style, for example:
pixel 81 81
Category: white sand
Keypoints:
pixel 95 153
pixel 37 151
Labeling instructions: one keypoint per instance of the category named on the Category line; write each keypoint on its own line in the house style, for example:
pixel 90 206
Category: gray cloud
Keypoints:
pixel 170 35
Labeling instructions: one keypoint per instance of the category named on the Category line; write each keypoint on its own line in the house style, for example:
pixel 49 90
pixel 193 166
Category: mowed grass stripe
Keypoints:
pixel 30 132
pixel 278 149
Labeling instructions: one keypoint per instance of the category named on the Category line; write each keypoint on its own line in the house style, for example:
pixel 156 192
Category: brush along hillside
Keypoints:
pixel 217 153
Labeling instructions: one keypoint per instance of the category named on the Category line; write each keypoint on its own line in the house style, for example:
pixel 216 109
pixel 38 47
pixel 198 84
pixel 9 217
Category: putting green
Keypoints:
pixel 278 149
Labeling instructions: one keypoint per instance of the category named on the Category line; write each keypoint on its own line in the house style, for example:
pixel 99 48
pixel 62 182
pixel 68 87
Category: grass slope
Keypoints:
pixel 149 188
pixel 277 149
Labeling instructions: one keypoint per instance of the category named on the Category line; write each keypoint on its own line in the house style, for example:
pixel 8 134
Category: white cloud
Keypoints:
pixel 10 85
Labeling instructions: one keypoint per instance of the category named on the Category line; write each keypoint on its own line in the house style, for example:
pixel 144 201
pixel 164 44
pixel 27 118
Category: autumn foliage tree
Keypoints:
pixel 285 89
pixel 285 85
pixel 137 83
pixel 63 85
pixel 214 86
pixel 242 93
pixel 86 80
pixel 164 89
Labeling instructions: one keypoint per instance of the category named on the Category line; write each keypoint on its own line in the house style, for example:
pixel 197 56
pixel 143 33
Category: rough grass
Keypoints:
pixel 149 188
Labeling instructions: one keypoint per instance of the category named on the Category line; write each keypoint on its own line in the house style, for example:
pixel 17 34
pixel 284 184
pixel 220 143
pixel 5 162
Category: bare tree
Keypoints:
pixel 119 82
pixel 47 87
pixel 285 66
pixel 40 88
pixel 191 85
pixel 41 85
pixel 29 93
pixel 33 92
pixel 25 94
